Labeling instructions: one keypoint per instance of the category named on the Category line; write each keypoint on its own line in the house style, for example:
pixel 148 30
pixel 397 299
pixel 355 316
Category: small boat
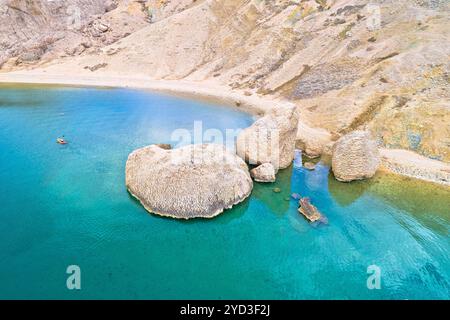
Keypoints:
pixel 61 141
pixel 309 211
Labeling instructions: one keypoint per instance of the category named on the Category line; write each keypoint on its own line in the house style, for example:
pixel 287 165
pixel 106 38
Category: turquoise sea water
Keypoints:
pixel 68 205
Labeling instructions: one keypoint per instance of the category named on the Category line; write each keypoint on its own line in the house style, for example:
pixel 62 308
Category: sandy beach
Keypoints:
pixel 397 161
pixel 198 90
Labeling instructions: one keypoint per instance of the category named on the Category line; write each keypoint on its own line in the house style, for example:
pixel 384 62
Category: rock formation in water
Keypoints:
pixel 309 165
pixel 308 210
pixel 196 181
pixel 264 173
pixel 271 139
pixel 355 157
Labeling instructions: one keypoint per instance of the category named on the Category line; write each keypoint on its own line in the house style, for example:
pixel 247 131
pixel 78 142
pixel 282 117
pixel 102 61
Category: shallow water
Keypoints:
pixel 67 205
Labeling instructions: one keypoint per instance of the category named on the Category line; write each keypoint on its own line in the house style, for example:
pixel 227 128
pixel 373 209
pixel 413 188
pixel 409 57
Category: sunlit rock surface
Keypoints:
pixel 270 139
pixel 355 157
pixel 196 181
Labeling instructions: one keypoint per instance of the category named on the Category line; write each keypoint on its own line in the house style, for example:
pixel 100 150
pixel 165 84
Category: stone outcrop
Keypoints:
pixel 196 181
pixel 355 157
pixel 271 139
pixel 264 173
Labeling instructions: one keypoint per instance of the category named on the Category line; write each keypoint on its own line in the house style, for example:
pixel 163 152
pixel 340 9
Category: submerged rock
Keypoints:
pixel 309 165
pixel 264 173
pixel 355 157
pixel 270 139
pixel 309 211
pixel 189 182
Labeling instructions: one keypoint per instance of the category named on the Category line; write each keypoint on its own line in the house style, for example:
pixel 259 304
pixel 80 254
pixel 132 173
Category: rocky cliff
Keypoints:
pixel 347 64
pixel 36 31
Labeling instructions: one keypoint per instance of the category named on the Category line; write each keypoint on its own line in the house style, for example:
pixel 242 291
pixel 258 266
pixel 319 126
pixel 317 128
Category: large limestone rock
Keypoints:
pixel 355 157
pixel 264 173
pixel 190 182
pixel 270 139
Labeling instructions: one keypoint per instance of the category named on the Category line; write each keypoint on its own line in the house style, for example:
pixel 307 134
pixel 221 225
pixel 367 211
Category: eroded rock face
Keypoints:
pixel 312 141
pixel 40 30
pixel 355 157
pixel 196 181
pixel 270 139
pixel 264 173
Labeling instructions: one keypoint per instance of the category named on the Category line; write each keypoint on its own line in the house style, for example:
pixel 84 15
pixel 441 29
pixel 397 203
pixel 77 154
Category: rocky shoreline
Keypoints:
pixel 410 164
pixel 346 65
pixel 402 162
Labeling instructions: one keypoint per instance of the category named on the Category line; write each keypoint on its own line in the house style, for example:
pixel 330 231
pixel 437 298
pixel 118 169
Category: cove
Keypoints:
pixel 68 205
